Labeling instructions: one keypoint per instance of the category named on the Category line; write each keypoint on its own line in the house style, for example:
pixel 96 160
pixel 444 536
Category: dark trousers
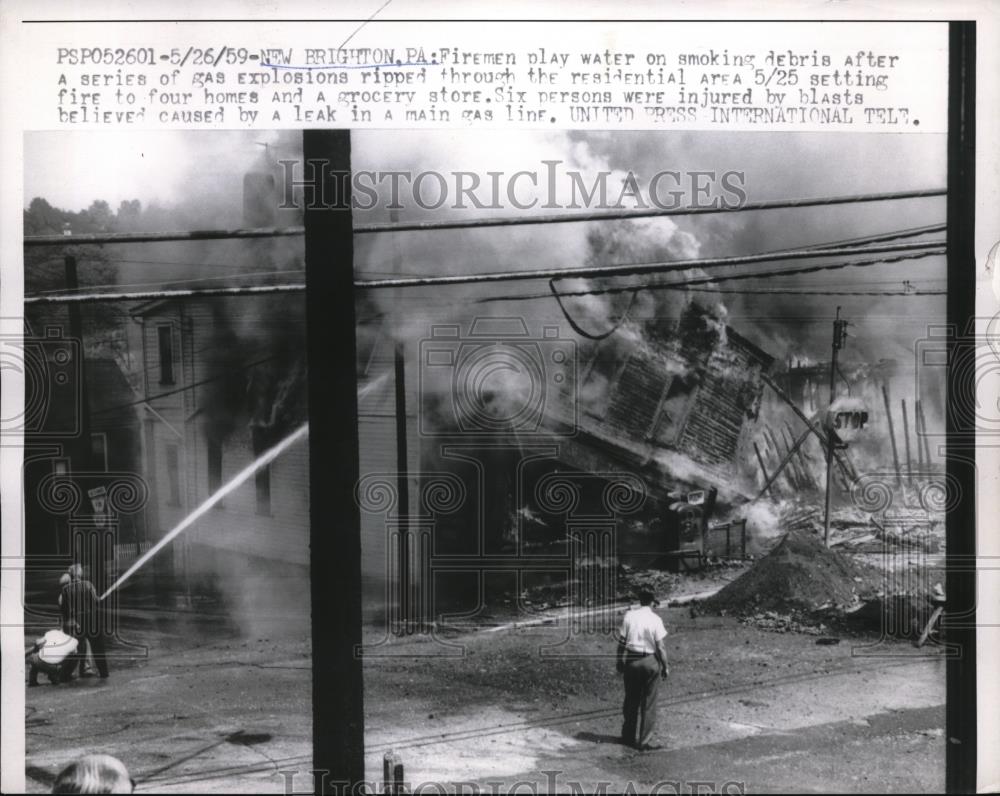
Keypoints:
pixel 57 672
pixel 642 681
pixel 96 641
pixel 91 635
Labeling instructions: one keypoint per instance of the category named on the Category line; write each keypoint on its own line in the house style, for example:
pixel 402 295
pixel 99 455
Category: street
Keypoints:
pixel 211 709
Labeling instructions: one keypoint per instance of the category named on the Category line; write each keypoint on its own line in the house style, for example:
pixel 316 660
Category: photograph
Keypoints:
pixel 638 479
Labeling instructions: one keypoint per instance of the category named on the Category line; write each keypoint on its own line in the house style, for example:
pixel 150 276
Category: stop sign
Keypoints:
pixel 847 418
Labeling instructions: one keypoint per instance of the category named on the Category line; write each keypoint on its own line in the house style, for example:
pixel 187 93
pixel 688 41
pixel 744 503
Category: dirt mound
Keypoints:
pixel 799 575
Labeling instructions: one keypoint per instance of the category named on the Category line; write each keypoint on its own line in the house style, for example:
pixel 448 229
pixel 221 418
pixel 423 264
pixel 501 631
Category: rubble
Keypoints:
pixel 800 576
pixel 782 623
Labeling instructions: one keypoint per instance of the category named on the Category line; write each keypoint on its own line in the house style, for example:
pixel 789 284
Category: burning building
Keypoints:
pixel 533 438
pixel 219 394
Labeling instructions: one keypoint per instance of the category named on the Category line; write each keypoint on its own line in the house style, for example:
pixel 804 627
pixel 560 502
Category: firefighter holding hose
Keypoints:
pixel 85 613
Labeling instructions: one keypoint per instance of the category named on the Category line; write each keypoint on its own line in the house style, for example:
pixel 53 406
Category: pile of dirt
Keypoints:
pixel 799 575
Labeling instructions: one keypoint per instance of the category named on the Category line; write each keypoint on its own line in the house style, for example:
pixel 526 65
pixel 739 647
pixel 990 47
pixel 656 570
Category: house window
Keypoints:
pixel 262 480
pixel 173 475
pixel 166 343
pixel 214 468
pixel 99 450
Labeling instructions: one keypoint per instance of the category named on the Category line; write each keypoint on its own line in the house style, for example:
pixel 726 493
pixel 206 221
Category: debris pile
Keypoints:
pixel 782 623
pixel 633 580
pixel 799 576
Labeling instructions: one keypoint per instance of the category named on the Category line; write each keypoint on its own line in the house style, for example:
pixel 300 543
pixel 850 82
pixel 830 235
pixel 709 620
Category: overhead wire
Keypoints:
pixel 72 291
pixel 480 223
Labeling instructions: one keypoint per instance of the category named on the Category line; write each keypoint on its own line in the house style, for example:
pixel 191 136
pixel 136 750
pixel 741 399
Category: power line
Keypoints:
pixel 65 292
pixel 607 215
pixel 686 284
pixel 692 285
pixel 183 263
pixel 847 243
pixel 909 252
pixel 634 269
pixel 228 372
pixel 790 292
pixel 150 295
pixel 910 232
pixel 479 223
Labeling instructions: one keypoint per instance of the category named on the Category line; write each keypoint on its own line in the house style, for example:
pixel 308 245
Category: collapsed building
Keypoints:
pixel 553 455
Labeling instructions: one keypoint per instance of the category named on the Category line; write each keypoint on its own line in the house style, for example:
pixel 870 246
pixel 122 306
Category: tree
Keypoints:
pixel 104 324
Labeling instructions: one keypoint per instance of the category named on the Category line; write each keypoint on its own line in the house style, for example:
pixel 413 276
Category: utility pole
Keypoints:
pixel 402 470
pixel 81 457
pixel 839 335
pixel 334 515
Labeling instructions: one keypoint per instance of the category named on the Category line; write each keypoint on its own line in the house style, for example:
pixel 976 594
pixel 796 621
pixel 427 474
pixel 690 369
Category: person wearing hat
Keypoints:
pixel 642 661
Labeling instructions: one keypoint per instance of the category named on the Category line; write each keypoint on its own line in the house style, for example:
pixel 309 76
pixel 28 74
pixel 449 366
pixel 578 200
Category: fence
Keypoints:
pixel 726 541
pixel 126 553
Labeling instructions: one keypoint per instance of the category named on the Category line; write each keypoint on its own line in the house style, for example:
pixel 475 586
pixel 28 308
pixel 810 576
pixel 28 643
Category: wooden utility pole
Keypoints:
pixel 906 438
pixel 402 470
pixel 763 470
pixel 920 418
pixel 334 515
pixel 916 437
pixel 850 473
pixel 839 334
pixel 796 448
pixel 790 474
pixel 892 433
pixel 81 458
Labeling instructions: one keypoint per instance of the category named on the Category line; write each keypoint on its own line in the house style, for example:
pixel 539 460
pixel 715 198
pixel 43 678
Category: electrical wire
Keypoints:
pixel 480 223
pixel 183 263
pixel 151 295
pixel 909 251
pixel 742 276
pixel 692 285
pixel 910 232
pixel 635 269
pixel 579 329
pixel 225 375
pixel 174 282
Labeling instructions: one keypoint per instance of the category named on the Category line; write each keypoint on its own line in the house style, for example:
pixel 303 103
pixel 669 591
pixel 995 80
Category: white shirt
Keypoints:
pixel 56 647
pixel 641 629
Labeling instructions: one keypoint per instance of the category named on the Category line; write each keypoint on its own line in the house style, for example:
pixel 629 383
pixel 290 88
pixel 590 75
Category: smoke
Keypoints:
pixel 206 190
pixel 789 165
pixel 245 354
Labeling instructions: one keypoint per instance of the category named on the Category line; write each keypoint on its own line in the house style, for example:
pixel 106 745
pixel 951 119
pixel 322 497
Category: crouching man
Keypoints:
pixel 53 655
pixel 642 660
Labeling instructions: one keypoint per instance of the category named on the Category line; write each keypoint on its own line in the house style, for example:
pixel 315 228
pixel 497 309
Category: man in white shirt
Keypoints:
pixel 642 659
pixel 52 654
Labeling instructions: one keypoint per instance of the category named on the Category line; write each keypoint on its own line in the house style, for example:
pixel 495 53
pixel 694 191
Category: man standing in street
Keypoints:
pixel 85 612
pixel 642 660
